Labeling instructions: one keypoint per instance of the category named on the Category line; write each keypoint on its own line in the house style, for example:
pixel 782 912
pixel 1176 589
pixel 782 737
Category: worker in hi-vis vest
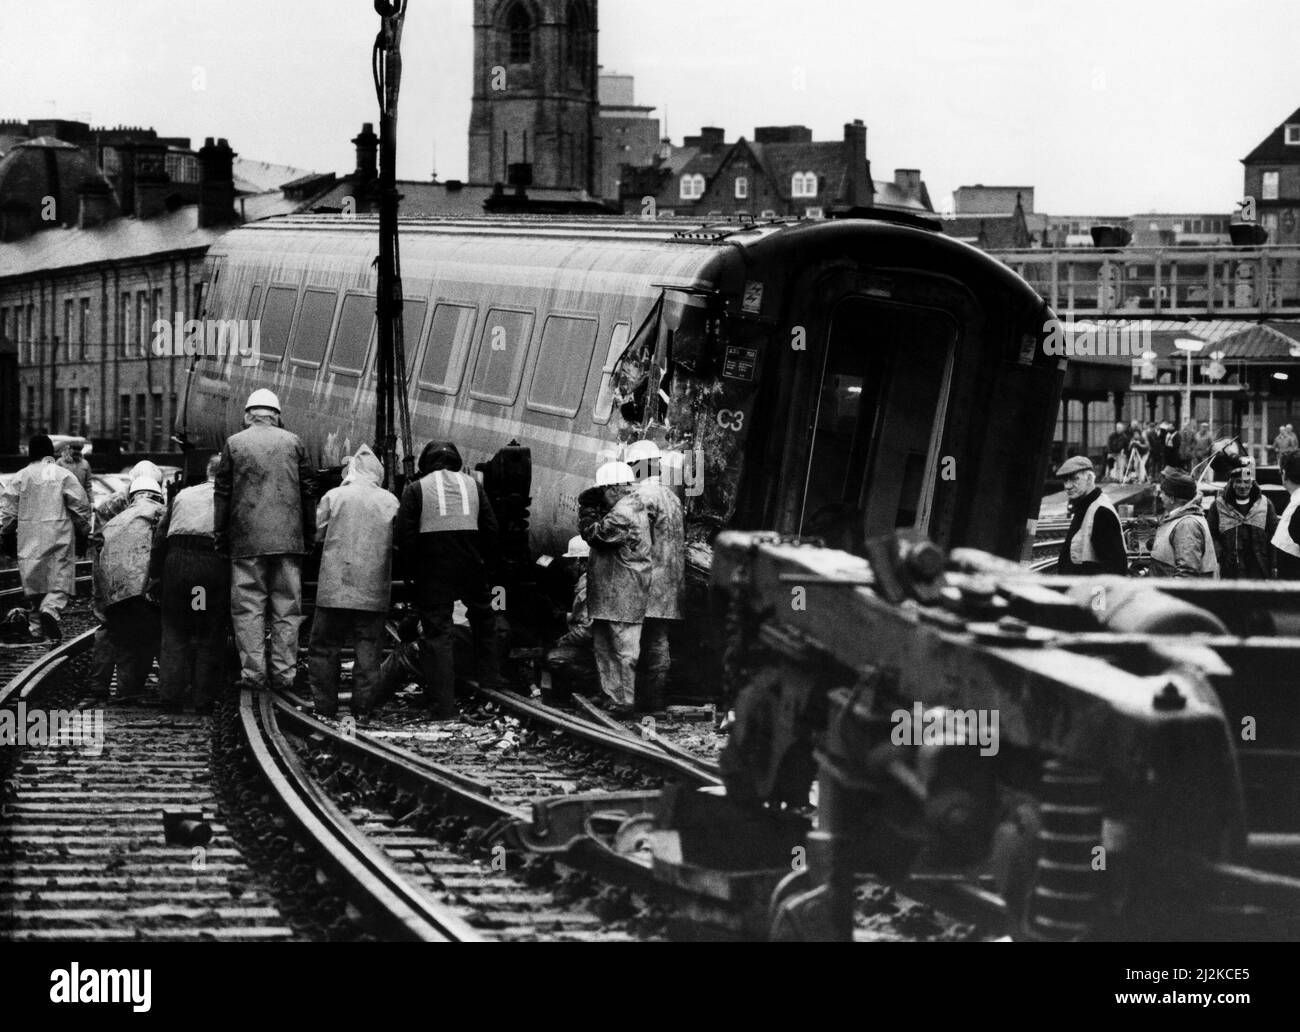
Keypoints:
pixel 445 527
pixel 1094 542
pixel 1183 545
pixel 1286 539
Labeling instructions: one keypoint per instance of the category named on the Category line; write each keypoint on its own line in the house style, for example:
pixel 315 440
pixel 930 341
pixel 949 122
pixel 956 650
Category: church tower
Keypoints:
pixel 535 93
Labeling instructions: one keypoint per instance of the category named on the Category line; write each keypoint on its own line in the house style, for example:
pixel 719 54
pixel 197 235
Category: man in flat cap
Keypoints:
pixel 1095 543
pixel 1183 545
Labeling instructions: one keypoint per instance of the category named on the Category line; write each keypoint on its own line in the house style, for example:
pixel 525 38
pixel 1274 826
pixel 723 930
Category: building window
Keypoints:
pixel 83 325
pixel 1268 189
pixel 85 412
pixel 142 322
pixel 140 437
pixel 1293 135
pixel 124 421
pixel 31 411
pixel 692 187
pixel 742 187
pixel 519 26
pixel 1269 221
pixel 155 438
pixel 123 321
pixel 579 55
pixel 803 184
pixel 67 329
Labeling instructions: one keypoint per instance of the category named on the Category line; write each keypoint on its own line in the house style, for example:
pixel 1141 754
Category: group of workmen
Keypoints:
pixel 173 581
pixel 1240 536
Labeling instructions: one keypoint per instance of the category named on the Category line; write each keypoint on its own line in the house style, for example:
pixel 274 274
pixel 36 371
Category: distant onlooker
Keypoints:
pixel 1155 446
pixel 1285 443
pixel 73 461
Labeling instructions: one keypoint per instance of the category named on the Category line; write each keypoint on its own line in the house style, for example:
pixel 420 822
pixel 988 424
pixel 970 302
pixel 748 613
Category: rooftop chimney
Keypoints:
pixel 216 184
pixel 94 203
pixel 908 181
pixel 151 181
pixel 367 144
pixel 860 190
pixel 710 139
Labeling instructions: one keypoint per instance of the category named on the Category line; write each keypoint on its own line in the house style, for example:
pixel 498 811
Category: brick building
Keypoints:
pixel 90 260
pixel 782 171
pixel 1272 178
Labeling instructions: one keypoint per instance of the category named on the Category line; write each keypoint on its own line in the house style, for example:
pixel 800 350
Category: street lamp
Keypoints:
pixel 1191 345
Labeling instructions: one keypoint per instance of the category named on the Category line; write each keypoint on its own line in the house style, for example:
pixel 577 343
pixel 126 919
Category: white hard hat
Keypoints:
pixel 578 548
pixel 615 473
pixel 262 398
pixel 144 484
pixel 638 450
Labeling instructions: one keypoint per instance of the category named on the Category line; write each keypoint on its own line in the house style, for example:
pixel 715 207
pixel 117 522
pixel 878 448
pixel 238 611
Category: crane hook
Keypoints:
pixel 387 8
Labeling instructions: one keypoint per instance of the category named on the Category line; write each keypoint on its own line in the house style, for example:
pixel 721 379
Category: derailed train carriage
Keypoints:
pixel 843 380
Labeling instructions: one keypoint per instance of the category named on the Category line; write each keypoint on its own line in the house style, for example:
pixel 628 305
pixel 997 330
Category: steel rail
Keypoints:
pixel 400 907
pixel 695 769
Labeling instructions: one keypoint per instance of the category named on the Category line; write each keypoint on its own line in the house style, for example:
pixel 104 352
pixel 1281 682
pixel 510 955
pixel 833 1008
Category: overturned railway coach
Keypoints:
pixel 837 378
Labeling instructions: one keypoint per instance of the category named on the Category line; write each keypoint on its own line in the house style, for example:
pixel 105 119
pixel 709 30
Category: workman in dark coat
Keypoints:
pixel 445 530
pixel 1094 542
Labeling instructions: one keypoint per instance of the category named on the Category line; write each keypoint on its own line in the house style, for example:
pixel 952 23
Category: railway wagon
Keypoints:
pixel 836 378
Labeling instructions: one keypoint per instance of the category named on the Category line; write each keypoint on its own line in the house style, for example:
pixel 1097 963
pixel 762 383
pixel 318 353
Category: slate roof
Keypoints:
pixel 1274 146
pixel 121 239
pixel 1266 343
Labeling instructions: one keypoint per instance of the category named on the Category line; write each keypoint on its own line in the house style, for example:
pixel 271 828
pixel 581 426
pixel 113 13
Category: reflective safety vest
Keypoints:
pixel 1081 550
pixel 1162 548
pixel 1282 539
pixel 192 511
pixel 448 501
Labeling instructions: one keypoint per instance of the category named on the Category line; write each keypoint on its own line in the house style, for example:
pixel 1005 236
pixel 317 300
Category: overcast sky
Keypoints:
pixel 1105 106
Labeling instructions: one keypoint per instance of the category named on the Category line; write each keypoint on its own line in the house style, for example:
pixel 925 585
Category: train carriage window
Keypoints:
pixel 277 316
pixel 450 333
pixel 352 338
pixel 503 346
pixel 605 398
pixel 313 330
pixel 413 313
pixel 560 374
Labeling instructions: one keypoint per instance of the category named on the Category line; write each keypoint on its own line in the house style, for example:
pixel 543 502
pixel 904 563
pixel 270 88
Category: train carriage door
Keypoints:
pixel 878 421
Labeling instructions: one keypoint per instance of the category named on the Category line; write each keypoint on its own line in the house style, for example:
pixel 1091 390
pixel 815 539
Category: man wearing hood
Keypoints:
pixel 445 527
pixel 1242 523
pixel 355 523
pixel 1095 542
pixel 1183 546
pixel 101 658
pixel 123 583
pixel 264 519
pixel 47 512
pixel 195 595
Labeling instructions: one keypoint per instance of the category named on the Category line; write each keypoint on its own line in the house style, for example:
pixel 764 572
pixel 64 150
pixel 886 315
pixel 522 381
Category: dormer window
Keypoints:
pixel 519 29
pixel 742 187
pixel 692 187
pixel 803 184
pixel 1293 135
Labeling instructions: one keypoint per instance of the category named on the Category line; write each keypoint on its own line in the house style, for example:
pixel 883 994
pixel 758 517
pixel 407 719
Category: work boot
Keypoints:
pixel 50 625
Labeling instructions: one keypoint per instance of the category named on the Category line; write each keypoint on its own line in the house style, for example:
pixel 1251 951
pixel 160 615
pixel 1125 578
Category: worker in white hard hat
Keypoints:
pixel 129 597
pixel 614 522
pixel 264 519
pixel 667 573
pixel 185 563
pixel 571 661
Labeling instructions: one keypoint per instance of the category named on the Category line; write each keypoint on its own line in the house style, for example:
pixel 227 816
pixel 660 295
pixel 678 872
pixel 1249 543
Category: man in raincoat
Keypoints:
pixel 264 519
pixel 614 522
pixel 667 572
pixel 48 512
pixel 194 589
pixel 446 528
pixel 123 582
pixel 101 658
pixel 355 523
